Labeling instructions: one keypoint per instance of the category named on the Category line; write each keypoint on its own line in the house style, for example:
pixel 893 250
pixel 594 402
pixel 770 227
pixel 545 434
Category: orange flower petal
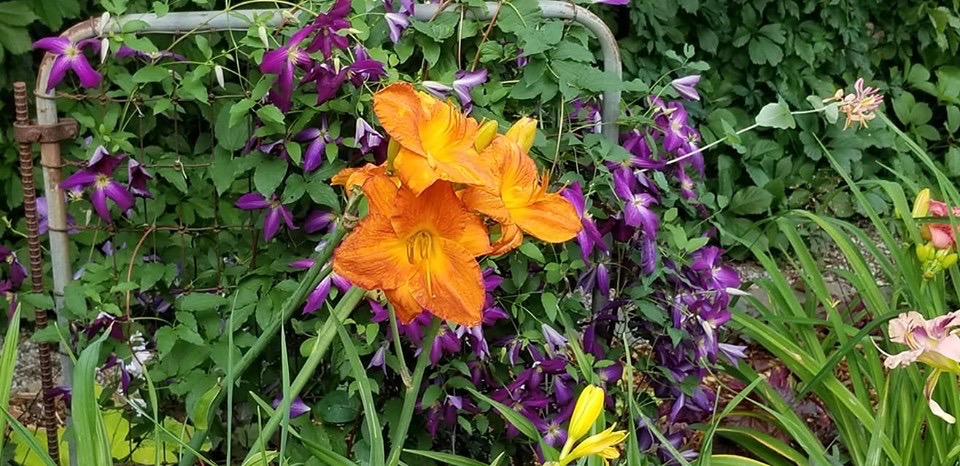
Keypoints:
pixel 450 285
pixel 350 177
pixel 552 219
pixel 372 256
pixel 381 195
pixel 510 238
pixel 404 304
pixel 399 109
pixel 414 171
pixel 485 201
pixel 439 211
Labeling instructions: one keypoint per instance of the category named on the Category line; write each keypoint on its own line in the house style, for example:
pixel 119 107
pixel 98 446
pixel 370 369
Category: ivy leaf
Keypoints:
pixel 268 175
pixel 751 201
pixel 776 115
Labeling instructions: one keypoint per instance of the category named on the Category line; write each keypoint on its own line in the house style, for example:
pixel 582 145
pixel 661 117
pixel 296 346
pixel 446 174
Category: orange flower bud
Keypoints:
pixel 523 133
pixel 485 135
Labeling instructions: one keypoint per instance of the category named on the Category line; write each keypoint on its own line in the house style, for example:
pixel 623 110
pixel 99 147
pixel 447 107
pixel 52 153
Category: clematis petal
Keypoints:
pixel 372 256
pixel 119 194
pixel 57 72
pixel 552 219
pixel 313 156
pixel 89 77
pixel 271 224
pixel 318 295
pixel 450 285
pixel 54 45
pixel 252 201
pixel 81 179
pixel 98 198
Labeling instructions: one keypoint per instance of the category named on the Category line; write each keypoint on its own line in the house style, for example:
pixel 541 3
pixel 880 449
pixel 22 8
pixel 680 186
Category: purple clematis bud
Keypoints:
pixel 464 82
pixel 282 63
pixel 137 178
pixel 553 339
pixel 99 174
pixel 318 220
pixel 397 22
pixel 69 56
pixel 366 136
pixel 734 353
pixel 276 212
pixel 437 89
pixel 149 57
pixel 687 86
pixel 297 408
pixel 320 293
pixel 589 237
pixel 522 60
pixel 379 359
pixel 446 341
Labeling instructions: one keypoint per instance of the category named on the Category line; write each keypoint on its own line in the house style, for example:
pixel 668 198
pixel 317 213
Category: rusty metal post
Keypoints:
pixel 36 265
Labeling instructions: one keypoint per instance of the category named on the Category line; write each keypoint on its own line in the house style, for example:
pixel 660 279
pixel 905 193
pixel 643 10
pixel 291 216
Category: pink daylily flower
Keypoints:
pixel 932 342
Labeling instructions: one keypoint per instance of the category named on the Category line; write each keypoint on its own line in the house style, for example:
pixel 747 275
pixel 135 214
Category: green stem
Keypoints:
pixel 343 310
pixel 310 280
pixel 398 348
pixel 410 399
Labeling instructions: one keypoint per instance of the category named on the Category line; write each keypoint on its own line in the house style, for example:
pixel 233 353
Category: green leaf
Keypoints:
pixel 531 250
pixel 231 135
pixel 200 302
pixel 240 111
pixel 270 114
pixel 751 201
pixel 16 14
pixel 150 74
pixel 93 445
pixel 337 407
pixel 446 458
pixel 74 299
pixel 269 174
pixel 39 301
pixel 538 40
pixel 763 50
pixel 222 170
pixel 321 193
pixel 776 116
pixel 8 363
pixel 518 420
pixel 371 420
pixel 201 413
pixel 440 28
pixel 550 305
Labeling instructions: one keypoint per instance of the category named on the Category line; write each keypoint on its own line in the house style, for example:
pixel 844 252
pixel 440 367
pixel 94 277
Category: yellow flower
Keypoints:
pixel 585 414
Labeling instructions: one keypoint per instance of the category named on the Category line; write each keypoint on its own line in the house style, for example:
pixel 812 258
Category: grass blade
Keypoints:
pixel 27 438
pixel 446 458
pixel 370 418
pixel 93 446
pixel 8 362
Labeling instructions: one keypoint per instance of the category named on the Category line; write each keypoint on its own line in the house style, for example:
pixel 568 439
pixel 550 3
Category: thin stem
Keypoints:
pixel 410 399
pixel 343 310
pixel 398 348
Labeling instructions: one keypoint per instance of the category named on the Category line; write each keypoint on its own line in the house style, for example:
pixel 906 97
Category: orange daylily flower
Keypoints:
pixel 420 250
pixel 519 199
pixel 436 140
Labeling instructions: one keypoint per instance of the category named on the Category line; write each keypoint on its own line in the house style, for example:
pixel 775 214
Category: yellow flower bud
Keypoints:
pixel 925 252
pixel 485 135
pixel 921 203
pixel 523 133
pixel 585 413
pixel 948 261
pixel 393 148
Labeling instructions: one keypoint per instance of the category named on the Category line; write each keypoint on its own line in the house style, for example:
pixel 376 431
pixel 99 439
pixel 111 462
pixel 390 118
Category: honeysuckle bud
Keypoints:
pixel 218 72
pixel 922 203
pixel 523 133
pixel 488 130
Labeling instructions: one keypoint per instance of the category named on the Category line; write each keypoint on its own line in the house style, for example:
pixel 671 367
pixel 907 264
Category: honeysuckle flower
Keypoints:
pixel 518 199
pixel 436 140
pixel 318 220
pixel 275 212
pixel 931 342
pixel 69 56
pixel 859 106
pixel 297 407
pixel 637 205
pixel 98 174
pixel 589 237
pixel 327 26
pixel 366 136
pixel 282 63
pixel 687 86
pixel 137 178
pixel 318 138
pixel 420 250
pixel 463 83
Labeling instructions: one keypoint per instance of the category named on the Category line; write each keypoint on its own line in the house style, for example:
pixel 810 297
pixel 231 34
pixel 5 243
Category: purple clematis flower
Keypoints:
pixel 318 220
pixel 99 175
pixel 282 62
pixel 320 293
pixel 589 237
pixel 318 139
pixel 327 26
pixel 69 56
pixel 636 209
pixel 674 126
pixel 364 69
pixel 706 263
pixel 612 2
pixel 446 341
pixel 379 358
pixel 437 89
pixel 16 273
pixel 687 86
pixel 522 60
pixel 464 82
pixel 366 136
pixel 277 211
pixel 297 407
pixel 137 178
pixel 397 22
pixel 327 80
pixel 149 57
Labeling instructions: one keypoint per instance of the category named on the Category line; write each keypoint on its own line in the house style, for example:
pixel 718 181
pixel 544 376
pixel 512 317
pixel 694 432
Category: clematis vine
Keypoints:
pixel 275 212
pixel 69 56
pixel 932 342
pixel 98 175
